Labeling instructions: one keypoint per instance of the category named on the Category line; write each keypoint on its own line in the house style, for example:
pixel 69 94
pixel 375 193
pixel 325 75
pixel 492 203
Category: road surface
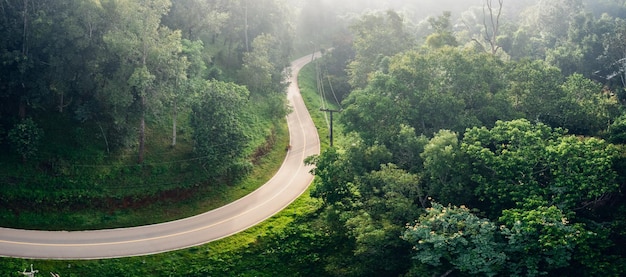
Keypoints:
pixel 291 180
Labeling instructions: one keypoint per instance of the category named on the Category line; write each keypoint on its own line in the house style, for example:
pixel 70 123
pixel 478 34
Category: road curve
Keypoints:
pixel 291 180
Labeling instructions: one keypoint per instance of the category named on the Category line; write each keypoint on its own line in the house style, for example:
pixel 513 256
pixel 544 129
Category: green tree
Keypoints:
pixel 368 112
pixel 31 54
pixel 446 169
pixel 617 130
pixel 613 58
pixel 534 89
pixel 391 194
pixel 335 172
pixel 476 78
pixel 148 58
pixel 451 238
pixel 438 89
pixel 249 19
pixel 376 36
pixel 533 240
pixel 585 108
pixel 442 31
pixel 517 160
pixel 218 131
pixel 582 172
pixel 332 178
pixel 197 19
pixel 191 68
pixel 539 239
pixel 543 25
pixel 25 138
pixel 580 50
pixel 371 201
pixel 259 71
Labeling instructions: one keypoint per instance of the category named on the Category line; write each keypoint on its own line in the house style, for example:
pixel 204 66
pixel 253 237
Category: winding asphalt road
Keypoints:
pixel 291 180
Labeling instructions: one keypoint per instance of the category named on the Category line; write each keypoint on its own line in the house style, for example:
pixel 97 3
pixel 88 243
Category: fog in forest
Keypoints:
pixel 318 19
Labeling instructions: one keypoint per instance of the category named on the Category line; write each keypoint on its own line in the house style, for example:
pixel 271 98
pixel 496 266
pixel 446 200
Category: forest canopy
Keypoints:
pixel 482 140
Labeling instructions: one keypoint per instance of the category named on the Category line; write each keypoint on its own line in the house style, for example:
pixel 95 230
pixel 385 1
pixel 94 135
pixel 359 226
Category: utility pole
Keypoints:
pixel 314 50
pixel 331 122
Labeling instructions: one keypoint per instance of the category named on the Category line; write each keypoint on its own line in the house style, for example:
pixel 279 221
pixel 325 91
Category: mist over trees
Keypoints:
pixel 479 138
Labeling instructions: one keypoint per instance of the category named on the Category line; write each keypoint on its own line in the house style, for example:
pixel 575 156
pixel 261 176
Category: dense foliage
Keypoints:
pixel 112 101
pixel 508 124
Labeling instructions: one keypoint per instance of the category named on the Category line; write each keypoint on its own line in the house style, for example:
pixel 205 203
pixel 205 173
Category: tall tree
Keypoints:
pixel 376 36
pixel 218 131
pixel 260 71
pixel 534 89
pixel 250 19
pixel 197 20
pixel 586 108
pixel 25 26
pixel 148 56
pixel 491 24
pixel 549 20
pixel 445 169
pixel 614 56
pixel 442 31
pixel 440 89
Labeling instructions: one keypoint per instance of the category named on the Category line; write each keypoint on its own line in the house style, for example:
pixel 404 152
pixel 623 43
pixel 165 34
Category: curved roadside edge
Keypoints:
pixel 290 181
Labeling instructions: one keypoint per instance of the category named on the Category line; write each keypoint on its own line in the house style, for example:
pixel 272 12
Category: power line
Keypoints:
pixel 320 89
pixel 330 84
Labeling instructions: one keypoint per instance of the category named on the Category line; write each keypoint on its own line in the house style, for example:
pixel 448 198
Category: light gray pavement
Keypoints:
pixel 291 180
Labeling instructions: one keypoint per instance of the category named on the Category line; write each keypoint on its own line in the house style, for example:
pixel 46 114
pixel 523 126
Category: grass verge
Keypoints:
pixel 311 97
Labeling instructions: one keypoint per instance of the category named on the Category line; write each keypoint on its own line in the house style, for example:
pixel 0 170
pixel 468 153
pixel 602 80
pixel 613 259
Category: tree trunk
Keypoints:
pixel 174 115
pixel 142 135
pixel 21 109
pixel 25 29
pixel 106 141
pixel 492 37
pixel 447 273
pixel 142 120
